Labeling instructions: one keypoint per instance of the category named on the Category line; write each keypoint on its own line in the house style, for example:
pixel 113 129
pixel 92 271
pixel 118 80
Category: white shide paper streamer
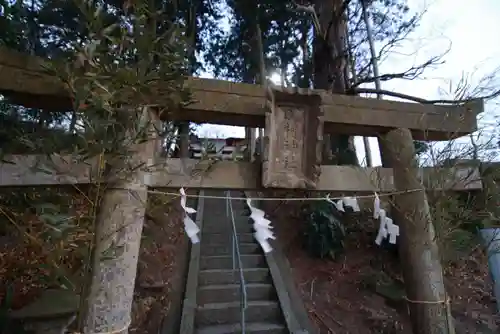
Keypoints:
pixel 343 202
pixel 189 225
pixel 386 228
pixel 262 227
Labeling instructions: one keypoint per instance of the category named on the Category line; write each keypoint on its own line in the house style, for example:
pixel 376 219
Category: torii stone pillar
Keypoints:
pixel 420 261
pixel 118 238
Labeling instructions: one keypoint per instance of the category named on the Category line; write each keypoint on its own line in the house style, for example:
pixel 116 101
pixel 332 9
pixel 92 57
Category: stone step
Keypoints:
pixel 228 276
pixel 211 249
pixel 226 262
pixel 226 293
pixel 230 313
pixel 215 217
pixel 228 230
pixel 220 203
pixel 253 328
pixel 219 294
pixel 219 212
pixel 220 206
pixel 226 227
pixel 225 238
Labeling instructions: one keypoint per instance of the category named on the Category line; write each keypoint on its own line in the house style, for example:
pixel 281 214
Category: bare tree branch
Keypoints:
pixel 421 100
pixel 409 74
pixel 310 10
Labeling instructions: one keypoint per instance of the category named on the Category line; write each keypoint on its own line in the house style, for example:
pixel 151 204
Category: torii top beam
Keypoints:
pixel 24 81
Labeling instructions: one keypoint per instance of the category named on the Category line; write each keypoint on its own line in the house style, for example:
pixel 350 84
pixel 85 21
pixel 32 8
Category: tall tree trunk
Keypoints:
pixel 283 58
pixel 72 124
pixel 330 72
pixel 183 139
pixel 191 35
pixel 306 75
pixel 256 73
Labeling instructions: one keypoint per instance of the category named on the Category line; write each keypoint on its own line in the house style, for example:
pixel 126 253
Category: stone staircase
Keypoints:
pixel 215 305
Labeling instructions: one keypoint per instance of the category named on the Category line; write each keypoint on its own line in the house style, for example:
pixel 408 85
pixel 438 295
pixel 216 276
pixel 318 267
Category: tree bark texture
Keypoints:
pixel 184 140
pixel 330 71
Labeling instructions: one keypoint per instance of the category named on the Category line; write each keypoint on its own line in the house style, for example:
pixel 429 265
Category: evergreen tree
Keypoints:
pixel 50 29
pixel 293 47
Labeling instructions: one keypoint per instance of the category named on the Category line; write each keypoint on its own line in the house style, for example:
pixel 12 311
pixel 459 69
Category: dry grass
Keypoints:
pixel 336 293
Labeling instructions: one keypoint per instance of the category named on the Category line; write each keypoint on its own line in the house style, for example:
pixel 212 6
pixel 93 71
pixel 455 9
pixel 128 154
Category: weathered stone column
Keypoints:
pixel 184 140
pixel 420 261
pixel 261 143
pixel 368 152
pixel 248 141
pixel 118 237
pixel 252 145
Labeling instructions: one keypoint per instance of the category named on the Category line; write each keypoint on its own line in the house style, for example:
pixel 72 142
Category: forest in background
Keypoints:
pixel 336 57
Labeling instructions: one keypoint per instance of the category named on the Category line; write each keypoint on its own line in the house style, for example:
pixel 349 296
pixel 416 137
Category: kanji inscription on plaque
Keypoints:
pixel 289 158
pixel 293 136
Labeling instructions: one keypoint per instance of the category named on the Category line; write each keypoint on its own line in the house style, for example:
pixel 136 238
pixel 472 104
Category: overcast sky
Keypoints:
pixel 470 29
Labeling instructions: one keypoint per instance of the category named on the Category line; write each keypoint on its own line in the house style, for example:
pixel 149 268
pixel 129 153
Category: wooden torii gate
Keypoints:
pixel 294 122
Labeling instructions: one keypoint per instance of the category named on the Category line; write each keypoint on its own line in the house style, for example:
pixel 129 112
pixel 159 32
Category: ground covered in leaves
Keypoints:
pixel 359 292
pixel 362 291
pixel 44 235
pixel 162 267
pixel 44 238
